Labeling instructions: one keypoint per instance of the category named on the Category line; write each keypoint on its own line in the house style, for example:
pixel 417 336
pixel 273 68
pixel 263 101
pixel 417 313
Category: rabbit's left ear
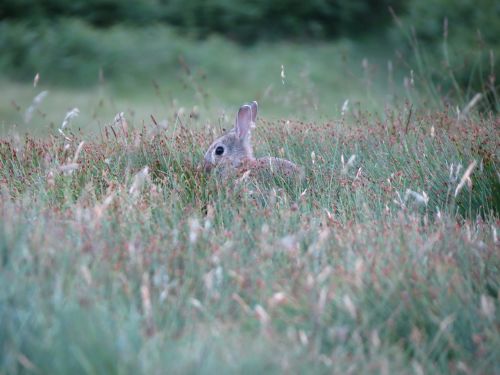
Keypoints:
pixel 255 108
pixel 243 121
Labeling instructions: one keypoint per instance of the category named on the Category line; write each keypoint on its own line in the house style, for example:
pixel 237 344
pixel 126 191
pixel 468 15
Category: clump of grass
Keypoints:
pixel 136 262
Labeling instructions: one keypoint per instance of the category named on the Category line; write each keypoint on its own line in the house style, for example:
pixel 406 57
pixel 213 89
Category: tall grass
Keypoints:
pixel 119 255
pixel 375 263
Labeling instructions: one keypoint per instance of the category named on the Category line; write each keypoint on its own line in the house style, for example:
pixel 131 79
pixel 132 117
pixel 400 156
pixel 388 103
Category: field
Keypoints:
pixel 118 255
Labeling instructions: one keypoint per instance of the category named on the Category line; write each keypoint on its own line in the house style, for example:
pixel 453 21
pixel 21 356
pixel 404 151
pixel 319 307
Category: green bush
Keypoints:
pixel 72 52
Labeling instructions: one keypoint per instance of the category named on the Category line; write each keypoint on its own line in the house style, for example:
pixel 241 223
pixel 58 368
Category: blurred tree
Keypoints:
pixel 247 21
pixel 240 20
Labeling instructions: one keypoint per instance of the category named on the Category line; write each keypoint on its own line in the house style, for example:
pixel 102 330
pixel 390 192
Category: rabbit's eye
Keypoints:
pixel 219 150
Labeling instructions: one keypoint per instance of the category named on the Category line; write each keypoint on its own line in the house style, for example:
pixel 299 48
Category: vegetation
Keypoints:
pixel 80 43
pixel 456 46
pixel 119 255
pixel 236 19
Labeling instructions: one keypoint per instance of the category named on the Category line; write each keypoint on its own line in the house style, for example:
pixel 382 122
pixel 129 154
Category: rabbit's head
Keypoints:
pixel 234 147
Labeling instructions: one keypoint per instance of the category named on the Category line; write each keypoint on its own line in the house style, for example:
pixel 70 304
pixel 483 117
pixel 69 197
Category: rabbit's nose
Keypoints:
pixel 207 166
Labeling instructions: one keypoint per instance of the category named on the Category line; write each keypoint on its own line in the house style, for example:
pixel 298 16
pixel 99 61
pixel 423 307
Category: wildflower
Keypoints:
pixel 282 74
pixel 313 157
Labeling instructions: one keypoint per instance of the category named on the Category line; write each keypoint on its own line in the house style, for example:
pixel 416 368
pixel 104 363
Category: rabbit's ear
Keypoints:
pixel 255 108
pixel 243 121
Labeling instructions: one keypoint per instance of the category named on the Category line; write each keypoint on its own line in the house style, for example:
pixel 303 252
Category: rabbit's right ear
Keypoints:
pixel 254 107
pixel 243 121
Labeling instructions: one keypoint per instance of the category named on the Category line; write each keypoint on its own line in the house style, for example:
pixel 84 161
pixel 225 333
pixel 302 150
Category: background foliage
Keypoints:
pixel 239 20
pixel 456 45
pixel 118 255
pixel 70 42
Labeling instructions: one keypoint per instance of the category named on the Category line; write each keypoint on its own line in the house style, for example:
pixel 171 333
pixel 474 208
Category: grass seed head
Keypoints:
pixel 34 105
pixel 466 178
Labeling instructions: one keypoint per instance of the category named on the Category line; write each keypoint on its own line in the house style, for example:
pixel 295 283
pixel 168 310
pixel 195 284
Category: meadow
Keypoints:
pixel 118 255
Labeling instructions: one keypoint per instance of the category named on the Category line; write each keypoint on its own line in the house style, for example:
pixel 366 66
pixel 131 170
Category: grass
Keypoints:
pixel 152 71
pixel 118 255
pixel 110 268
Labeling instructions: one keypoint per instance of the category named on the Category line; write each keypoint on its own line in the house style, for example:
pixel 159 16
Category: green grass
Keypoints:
pixel 105 272
pixel 153 71
pixel 374 263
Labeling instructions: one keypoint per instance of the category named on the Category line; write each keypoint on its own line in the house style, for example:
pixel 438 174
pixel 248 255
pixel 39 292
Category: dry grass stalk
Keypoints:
pixel 466 178
pixel 34 105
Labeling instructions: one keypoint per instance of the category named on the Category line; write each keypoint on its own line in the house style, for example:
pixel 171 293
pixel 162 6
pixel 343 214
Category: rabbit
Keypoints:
pixel 232 153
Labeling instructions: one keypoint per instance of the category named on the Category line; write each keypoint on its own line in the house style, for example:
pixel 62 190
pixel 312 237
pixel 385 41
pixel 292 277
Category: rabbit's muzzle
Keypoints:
pixel 207 166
